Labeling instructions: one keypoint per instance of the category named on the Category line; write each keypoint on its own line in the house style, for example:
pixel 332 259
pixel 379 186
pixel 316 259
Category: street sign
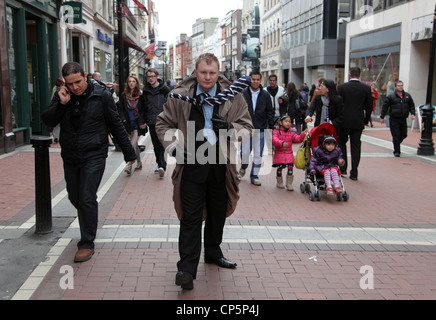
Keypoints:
pixel 72 12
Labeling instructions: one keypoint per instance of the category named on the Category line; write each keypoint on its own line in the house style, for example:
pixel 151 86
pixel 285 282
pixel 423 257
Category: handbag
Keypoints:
pixel 301 105
pixel 303 155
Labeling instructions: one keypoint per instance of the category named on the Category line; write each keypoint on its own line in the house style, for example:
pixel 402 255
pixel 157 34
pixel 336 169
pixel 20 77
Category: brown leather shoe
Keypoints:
pixel 83 255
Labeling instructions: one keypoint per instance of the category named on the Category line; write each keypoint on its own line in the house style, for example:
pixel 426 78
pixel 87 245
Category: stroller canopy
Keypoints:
pixel 325 129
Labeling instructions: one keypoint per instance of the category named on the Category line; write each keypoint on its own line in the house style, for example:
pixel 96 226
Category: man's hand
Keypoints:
pixel 64 95
pixel 220 122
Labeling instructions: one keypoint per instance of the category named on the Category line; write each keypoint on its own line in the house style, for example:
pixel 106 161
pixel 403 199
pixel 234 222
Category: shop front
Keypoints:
pixel 32 67
pixel 380 62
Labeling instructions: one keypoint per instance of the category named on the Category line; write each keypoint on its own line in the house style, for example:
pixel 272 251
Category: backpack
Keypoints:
pixel 300 104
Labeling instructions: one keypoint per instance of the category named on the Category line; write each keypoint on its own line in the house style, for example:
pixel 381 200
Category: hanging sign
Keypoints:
pixel 72 12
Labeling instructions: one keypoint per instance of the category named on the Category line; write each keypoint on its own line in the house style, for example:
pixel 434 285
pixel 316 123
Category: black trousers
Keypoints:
pixel 398 128
pixel 213 194
pixel 355 136
pixel 82 185
pixel 159 150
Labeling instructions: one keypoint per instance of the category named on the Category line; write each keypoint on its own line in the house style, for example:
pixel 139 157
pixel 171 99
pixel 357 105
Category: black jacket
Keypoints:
pixel 358 105
pixel 263 117
pixel 154 102
pixel 398 107
pixel 98 118
pixel 335 111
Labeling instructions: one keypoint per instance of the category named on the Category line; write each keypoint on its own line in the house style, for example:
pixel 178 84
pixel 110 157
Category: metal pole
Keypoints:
pixel 43 211
pixel 426 145
pixel 121 77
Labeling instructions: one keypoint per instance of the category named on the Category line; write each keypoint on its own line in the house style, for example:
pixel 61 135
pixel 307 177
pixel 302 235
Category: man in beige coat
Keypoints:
pixel 205 178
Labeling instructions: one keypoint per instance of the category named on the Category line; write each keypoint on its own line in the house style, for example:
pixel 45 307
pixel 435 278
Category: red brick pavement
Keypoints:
pixel 389 191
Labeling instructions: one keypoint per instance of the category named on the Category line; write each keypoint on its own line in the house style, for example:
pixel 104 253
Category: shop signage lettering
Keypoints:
pixel 72 12
pixel 104 37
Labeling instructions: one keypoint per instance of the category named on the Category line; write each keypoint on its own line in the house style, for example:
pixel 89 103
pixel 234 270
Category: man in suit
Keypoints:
pixel 262 116
pixel 357 109
pixel 204 187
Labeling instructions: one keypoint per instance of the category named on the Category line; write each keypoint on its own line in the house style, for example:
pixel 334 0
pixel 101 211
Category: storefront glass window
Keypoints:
pixel 108 65
pixel 97 61
pixel 15 116
pixel 383 70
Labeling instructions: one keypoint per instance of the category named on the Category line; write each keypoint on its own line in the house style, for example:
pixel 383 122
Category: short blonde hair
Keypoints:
pixel 209 58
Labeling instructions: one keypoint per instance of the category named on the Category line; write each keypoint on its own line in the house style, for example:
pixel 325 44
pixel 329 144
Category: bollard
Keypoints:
pixel 42 184
pixel 426 145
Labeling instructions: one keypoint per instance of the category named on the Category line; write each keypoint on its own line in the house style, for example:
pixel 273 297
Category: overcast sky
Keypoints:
pixel 178 16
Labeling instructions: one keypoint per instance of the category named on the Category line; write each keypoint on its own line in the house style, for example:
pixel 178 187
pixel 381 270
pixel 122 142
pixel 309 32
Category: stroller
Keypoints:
pixel 315 139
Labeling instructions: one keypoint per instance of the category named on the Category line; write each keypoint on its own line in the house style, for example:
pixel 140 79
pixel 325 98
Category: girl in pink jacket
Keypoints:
pixel 282 140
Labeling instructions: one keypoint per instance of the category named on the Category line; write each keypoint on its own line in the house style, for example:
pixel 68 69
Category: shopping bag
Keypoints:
pixel 303 155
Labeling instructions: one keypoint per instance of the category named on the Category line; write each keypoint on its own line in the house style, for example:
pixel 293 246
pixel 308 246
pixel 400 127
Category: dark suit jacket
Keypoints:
pixel 263 117
pixel 357 99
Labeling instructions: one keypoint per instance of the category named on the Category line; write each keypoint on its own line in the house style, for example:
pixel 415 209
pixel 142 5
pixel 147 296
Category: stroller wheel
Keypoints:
pixel 339 197
pixel 303 187
pixel 345 196
pixel 318 196
pixel 311 196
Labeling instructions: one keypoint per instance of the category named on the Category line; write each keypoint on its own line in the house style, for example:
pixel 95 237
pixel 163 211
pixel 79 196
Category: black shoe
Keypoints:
pixel 221 262
pixel 185 280
pixel 396 154
pixel 353 178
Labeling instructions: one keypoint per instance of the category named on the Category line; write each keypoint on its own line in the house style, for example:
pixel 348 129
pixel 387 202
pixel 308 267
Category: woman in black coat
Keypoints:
pixel 293 111
pixel 131 111
pixel 328 106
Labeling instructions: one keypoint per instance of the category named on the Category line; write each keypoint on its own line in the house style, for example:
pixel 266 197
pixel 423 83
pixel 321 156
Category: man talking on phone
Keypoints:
pixel 86 113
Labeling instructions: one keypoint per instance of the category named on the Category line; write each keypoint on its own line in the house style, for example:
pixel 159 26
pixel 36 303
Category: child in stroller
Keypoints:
pixel 326 160
pixel 322 164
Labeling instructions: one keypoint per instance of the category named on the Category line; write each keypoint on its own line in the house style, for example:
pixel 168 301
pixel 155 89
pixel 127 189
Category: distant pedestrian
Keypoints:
pixel 276 92
pixel 131 110
pixel 357 99
pixel 326 160
pixel 262 116
pixel 283 138
pixel 295 114
pixel 374 93
pixel 399 105
pixel 87 114
pixel 155 93
pixel 317 91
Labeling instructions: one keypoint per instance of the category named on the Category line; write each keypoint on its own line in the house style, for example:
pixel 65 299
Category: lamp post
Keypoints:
pixel 121 79
pixel 426 145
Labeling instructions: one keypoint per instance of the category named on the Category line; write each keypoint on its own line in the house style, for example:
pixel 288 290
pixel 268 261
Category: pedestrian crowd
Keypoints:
pixel 220 119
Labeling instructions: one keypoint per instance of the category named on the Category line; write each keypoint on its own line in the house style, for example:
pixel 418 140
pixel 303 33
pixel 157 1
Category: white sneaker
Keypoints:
pixel 161 172
pixel 256 182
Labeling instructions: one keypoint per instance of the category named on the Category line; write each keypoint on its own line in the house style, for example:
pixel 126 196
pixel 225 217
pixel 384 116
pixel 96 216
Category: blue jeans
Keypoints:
pixel 256 143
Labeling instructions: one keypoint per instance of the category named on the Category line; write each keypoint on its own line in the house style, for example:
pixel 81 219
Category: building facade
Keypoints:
pixel 271 40
pixel 38 37
pixel 390 40
pixel 313 40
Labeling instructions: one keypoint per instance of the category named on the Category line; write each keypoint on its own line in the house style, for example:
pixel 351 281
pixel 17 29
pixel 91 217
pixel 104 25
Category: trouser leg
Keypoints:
pixel 356 147
pixel 193 196
pixel 82 186
pixel 159 150
pixel 395 127
pixel 216 205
